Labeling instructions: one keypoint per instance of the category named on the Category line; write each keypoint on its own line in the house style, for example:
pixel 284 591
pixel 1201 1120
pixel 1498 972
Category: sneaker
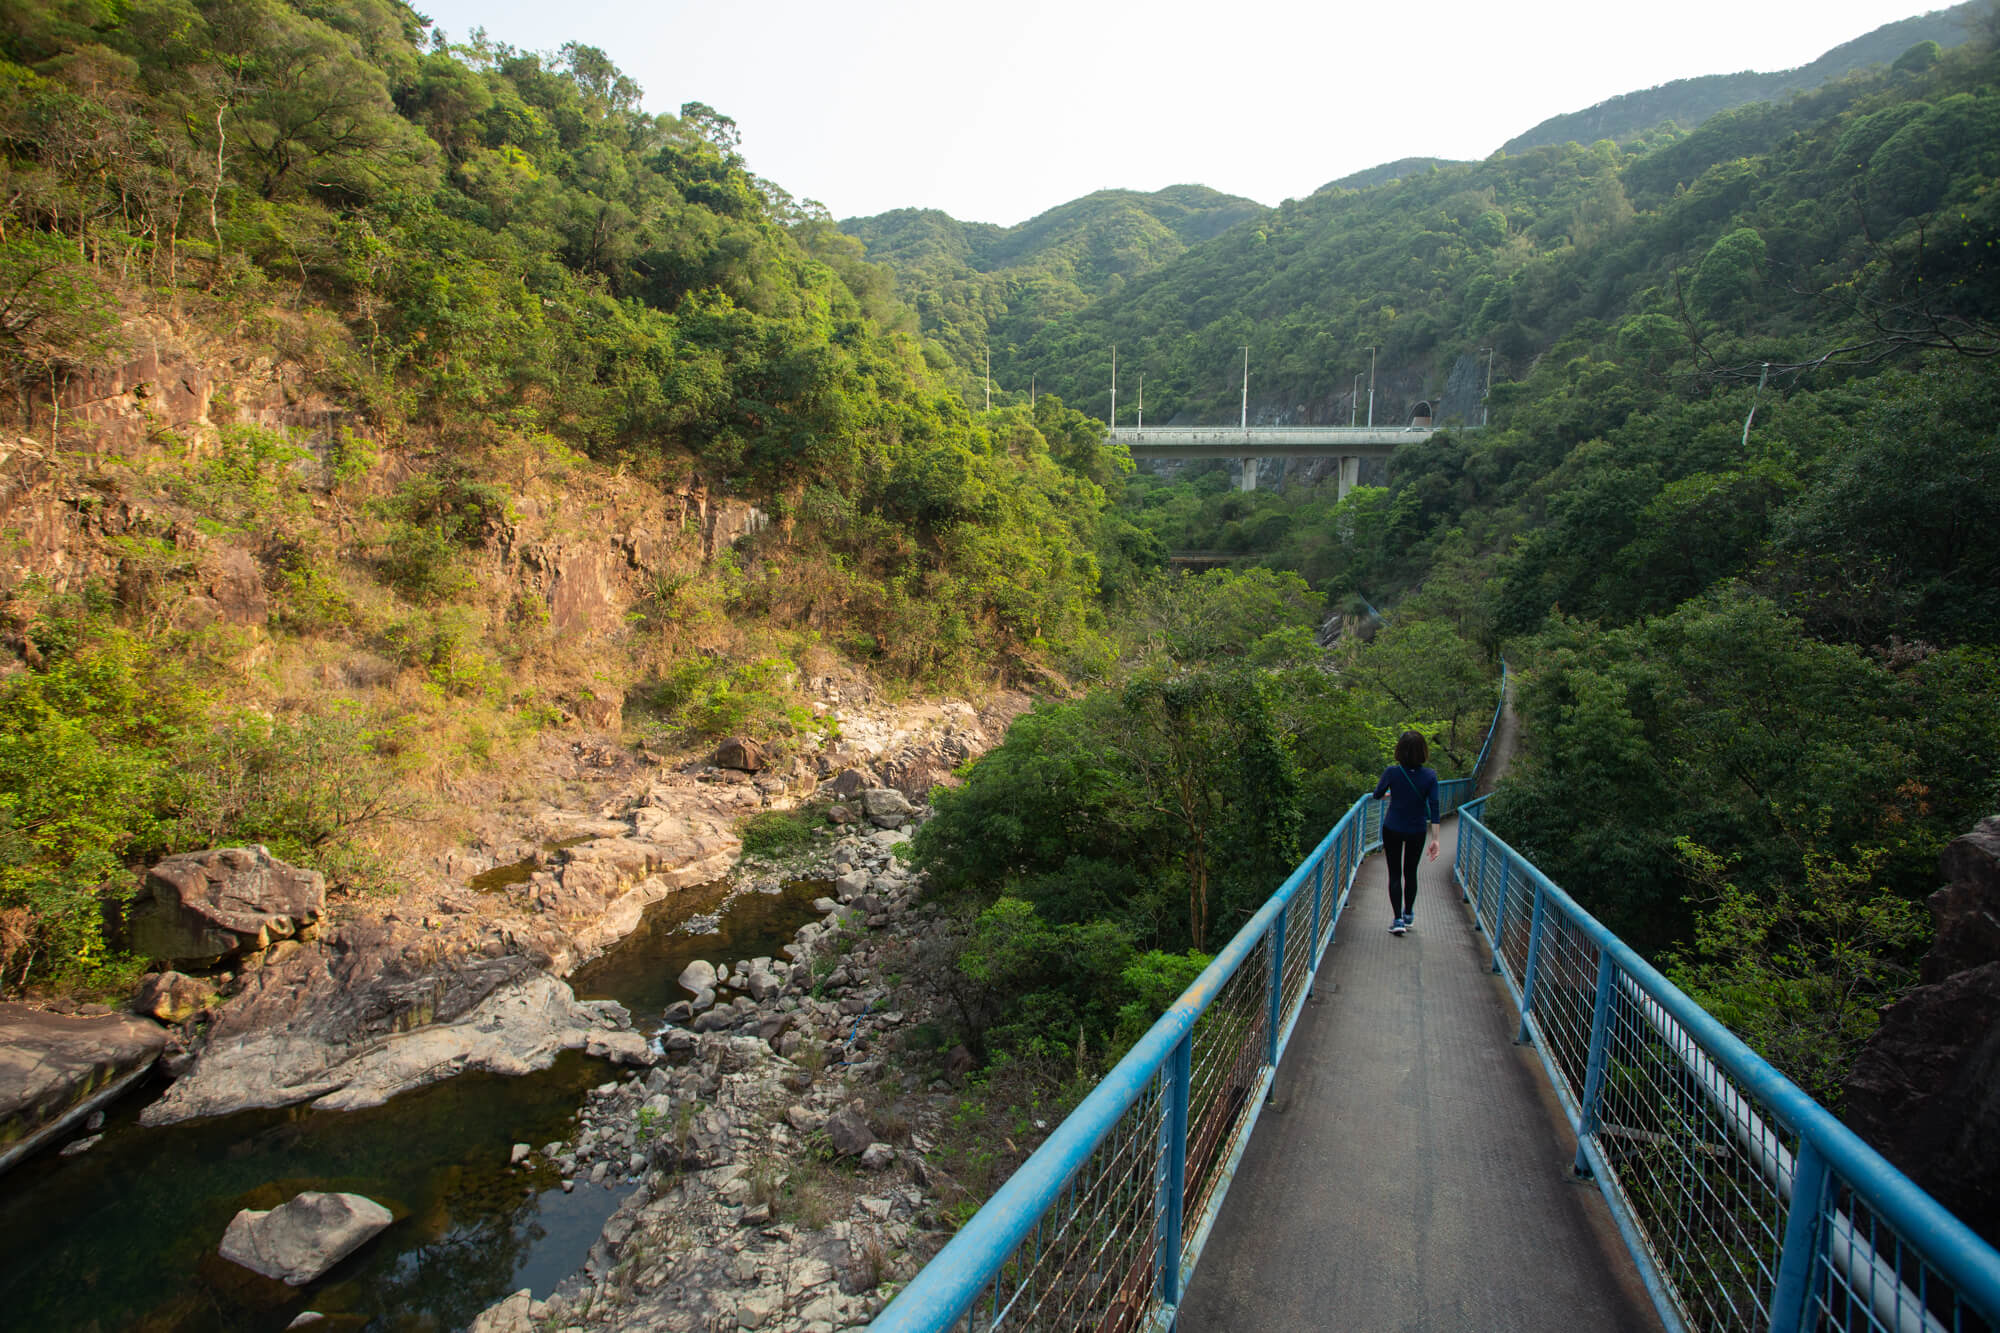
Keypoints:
pixel 1409 920
pixel 1399 925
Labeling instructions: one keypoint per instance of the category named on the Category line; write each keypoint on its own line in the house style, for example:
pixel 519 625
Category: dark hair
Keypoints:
pixel 1412 749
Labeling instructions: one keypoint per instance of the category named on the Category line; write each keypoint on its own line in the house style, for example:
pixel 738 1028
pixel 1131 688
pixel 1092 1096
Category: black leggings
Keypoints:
pixel 1401 850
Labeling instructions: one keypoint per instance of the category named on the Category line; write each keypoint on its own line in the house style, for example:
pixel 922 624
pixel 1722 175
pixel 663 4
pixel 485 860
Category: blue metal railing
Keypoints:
pixel 1745 1203
pixel 1102 1226
pixel 1492 729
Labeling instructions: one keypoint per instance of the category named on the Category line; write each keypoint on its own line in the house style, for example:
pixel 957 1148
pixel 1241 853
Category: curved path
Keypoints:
pixel 1429 1190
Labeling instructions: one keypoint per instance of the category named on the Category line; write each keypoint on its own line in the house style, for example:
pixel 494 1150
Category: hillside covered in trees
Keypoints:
pixel 435 322
pixel 1689 102
pixel 1730 522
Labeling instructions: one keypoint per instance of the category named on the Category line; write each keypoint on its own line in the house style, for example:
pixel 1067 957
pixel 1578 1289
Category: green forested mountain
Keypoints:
pixel 1729 523
pixel 1689 102
pixel 1386 173
pixel 972 282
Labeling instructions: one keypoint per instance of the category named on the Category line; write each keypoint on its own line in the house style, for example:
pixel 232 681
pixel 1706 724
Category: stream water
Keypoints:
pixel 124 1236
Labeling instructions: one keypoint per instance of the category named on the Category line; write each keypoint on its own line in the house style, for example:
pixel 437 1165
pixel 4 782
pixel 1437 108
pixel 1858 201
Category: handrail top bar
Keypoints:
pixel 1959 1253
pixel 945 1288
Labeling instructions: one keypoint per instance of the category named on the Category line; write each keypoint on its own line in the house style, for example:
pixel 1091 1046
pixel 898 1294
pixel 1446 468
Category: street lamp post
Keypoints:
pixel 1246 388
pixel 1354 401
pixel 1371 387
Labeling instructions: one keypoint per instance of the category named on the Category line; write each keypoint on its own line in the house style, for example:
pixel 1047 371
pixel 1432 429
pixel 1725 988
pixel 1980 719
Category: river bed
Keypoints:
pixel 124 1236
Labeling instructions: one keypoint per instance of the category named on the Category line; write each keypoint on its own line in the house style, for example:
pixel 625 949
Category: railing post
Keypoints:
pixel 1479 903
pixel 1500 914
pixel 1312 941
pixel 1465 889
pixel 1276 1000
pixel 1792 1292
pixel 1176 1131
pixel 1534 964
pixel 1593 1074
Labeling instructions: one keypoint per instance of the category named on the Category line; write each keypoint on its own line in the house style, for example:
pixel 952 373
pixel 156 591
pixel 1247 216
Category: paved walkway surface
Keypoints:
pixel 1413 1173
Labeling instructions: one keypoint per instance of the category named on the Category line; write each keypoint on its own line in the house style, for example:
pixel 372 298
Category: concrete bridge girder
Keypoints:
pixel 1349 444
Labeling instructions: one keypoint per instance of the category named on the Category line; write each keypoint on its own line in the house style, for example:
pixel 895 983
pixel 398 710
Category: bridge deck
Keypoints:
pixel 1428 1190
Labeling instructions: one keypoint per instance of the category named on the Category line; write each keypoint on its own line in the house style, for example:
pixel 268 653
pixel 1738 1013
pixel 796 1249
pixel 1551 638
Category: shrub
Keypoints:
pixel 250 483
pixel 703 696
pixel 445 645
pixel 776 832
pixel 83 743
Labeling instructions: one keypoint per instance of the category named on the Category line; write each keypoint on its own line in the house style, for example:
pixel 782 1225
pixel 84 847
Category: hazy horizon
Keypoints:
pixel 905 105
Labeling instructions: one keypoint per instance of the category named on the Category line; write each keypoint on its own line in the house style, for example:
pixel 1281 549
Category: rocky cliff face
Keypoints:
pixel 1926 1089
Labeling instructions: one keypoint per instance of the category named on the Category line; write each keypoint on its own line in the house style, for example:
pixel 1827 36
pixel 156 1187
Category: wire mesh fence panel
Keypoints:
pixel 1695 1164
pixel 1298 954
pixel 1092 1260
pixel 1869 1276
pixel 1228 1057
pixel 1565 998
pixel 1517 931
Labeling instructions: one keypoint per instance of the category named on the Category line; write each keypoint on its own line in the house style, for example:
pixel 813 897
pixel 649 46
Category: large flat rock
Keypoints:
pixel 369 1012
pixel 54 1070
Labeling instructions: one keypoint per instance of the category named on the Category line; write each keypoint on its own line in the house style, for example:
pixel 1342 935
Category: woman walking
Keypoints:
pixel 1412 790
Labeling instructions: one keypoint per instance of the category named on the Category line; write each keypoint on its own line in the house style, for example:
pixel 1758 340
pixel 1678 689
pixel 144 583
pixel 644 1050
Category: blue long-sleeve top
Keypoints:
pixel 1413 799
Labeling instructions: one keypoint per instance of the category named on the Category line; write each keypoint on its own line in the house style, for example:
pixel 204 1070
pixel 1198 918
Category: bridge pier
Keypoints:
pixel 1249 481
pixel 1350 474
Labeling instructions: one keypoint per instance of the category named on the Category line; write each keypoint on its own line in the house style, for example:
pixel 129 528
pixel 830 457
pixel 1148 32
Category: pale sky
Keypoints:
pixel 997 112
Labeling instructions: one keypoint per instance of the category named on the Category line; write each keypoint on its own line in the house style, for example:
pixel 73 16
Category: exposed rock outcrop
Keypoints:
pixel 1925 1091
pixel 369 1012
pixel 218 903
pixel 299 1240
pixel 54 1071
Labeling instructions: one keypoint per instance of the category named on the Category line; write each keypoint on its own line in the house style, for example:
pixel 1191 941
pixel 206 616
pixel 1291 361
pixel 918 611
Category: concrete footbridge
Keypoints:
pixel 1337 1127
pixel 1350 444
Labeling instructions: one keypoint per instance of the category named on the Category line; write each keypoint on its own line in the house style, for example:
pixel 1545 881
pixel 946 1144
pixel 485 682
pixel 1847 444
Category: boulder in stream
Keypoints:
pixel 297 1241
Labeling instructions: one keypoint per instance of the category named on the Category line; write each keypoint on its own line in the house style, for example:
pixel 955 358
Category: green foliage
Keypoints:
pixel 1436 682
pixel 445 645
pixel 433 520
pixel 1218 615
pixel 778 832
pixel 475 238
pixel 1802 972
pixel 1726 718
pixel 1156 980
pixel 709 697
pixel 305 786
pixel 83 743
pixel 1892 536
pixel 250 483
pixel 1047 988
pixel 56 312
pixel 309 597
pixel 1170 805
